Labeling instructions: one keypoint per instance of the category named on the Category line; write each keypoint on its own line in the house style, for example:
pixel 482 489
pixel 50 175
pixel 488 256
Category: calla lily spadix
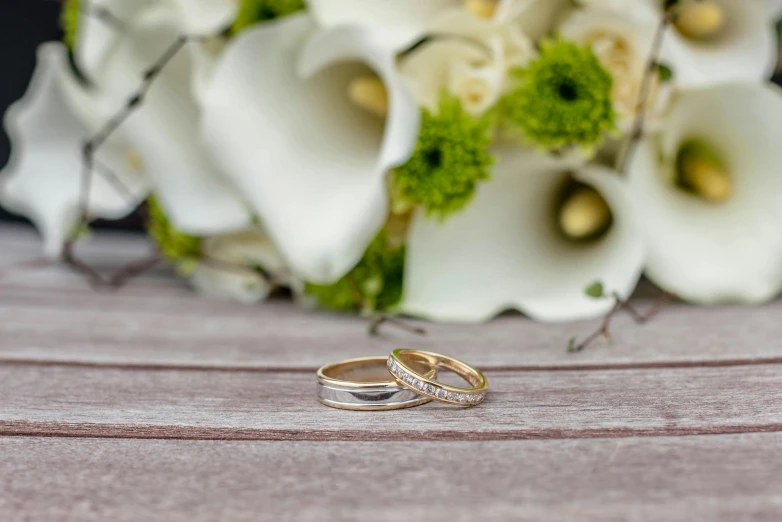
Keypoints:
pixel 508 248
pixel 43 177
pixel 279 119
pixel 710 191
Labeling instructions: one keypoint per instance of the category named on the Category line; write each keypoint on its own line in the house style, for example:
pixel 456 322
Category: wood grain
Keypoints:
pixel 158 322
pixel 197 404
pixel 715 478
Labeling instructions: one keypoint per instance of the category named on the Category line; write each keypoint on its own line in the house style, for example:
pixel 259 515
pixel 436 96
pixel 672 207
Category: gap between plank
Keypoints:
pixel 138 431
pixel 647 365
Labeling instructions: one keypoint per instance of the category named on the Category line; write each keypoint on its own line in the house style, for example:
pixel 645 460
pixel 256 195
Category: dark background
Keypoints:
pixel 23 25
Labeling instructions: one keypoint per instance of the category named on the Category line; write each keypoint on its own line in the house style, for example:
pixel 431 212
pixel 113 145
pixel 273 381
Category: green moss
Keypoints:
pixel 181 249
pixel 69 22
pixel 254 11
pixel 561 98
pixel 374 284
pixel 450 159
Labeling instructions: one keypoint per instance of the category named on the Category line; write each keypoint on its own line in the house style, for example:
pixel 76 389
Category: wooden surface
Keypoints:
pixel 154 404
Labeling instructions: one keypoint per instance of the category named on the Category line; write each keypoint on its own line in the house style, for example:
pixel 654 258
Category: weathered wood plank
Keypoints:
pixel 52 315
pixel 673 479
pixel 173 327
pixel 196 404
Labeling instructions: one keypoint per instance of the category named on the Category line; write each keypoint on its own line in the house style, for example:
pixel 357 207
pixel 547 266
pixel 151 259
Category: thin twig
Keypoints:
pixel 376 320
pixel 604 330
pixel 90 165
pixel 652 65
pixel 133 270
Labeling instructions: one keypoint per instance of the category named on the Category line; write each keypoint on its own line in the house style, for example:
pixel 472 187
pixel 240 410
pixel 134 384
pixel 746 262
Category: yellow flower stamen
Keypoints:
pixel 133 160
pixel 584 214
pixel 699 20
pixel 369 93
pixel 702 172
pixel 481 8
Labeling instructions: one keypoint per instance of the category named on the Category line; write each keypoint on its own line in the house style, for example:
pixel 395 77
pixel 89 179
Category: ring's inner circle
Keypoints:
pixel 456 370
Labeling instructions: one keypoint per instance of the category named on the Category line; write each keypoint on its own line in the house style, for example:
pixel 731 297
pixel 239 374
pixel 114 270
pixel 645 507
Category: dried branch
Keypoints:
pixel 90 165
pixel 651 70
pixel 620 304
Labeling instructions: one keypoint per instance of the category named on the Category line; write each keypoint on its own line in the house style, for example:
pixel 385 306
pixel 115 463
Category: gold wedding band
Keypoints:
pixel 404 363
pixel 365 384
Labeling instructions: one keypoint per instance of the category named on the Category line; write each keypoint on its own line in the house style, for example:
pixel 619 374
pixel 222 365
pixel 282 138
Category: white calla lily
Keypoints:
pixel 505 250
pixel 164 128
pixel 537 18
pixel 236 267
pixel 206 17
pixel 400 22
pixel 311 163
pixel 738 41
pixel 774 9
pixel 43 177
pixel 711 252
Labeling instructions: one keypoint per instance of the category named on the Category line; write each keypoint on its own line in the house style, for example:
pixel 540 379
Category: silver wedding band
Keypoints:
pixel 365 384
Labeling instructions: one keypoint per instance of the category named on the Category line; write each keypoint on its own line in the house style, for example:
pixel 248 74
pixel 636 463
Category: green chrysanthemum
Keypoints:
pixel 375 283
pixel 450 159
pixel 69 22
pixel 563 97
pixel 254 11
pixel 181 249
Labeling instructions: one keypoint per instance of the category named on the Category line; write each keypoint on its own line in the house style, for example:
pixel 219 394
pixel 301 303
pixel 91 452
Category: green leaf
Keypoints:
pixel 595 290
pixel 664 72
pixel 252 12
pixel 181 249
pixel 374 284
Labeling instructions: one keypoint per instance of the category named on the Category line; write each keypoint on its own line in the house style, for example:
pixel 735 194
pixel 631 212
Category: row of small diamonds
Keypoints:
pixel 429 389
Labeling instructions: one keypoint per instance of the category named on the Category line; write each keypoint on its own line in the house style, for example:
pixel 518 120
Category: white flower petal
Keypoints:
pixel 310 162
pixel 538 18
pixel 710 253
pixel 43 178
pixel 205 17
pixel 470 61
pixel 744 50
pixel 774 9
pixel 236 284
pixel 97 34
pixel 504 250
pixel 164 129
pixel 401 22
pixel 231 268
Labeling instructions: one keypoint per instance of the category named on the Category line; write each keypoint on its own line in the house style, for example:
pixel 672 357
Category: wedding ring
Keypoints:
pixel 402 365
pixel 365 384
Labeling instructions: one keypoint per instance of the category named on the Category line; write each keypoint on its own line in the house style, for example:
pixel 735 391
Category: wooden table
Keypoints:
pixel 154 404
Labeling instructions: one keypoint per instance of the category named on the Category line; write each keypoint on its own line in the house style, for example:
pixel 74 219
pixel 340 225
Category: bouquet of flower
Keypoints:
pixel 447 159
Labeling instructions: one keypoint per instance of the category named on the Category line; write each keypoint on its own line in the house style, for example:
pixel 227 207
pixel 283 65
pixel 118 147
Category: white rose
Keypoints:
pixel 622 45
